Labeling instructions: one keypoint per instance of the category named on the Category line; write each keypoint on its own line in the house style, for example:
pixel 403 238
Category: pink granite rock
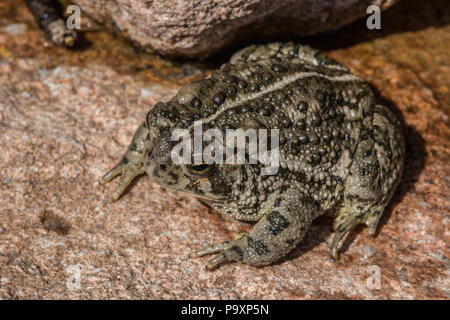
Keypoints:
pixel 198 28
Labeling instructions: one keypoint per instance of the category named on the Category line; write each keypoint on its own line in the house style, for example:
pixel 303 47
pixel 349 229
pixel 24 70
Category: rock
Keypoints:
pixel 67 116
pixel 198 28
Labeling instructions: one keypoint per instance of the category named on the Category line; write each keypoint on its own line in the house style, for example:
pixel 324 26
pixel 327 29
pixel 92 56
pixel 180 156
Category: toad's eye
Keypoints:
pixel 199 167
pixel 200 170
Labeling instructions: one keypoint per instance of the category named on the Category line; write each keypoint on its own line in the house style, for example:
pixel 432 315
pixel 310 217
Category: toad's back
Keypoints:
pixel 316 104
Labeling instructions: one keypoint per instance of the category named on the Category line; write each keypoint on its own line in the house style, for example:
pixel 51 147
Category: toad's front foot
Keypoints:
pixel 131 166
pixel 128 172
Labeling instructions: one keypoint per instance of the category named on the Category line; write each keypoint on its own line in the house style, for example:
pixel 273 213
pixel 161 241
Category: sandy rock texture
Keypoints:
pixel 67 116
pixel 198 28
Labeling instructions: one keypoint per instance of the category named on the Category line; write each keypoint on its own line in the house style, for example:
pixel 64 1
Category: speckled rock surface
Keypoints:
pixel 199 28
pixel 66 115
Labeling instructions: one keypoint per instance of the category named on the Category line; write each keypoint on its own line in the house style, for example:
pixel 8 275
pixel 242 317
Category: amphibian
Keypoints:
pixel 341 153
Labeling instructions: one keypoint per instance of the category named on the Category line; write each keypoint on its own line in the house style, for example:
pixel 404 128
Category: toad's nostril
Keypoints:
pixel 162 165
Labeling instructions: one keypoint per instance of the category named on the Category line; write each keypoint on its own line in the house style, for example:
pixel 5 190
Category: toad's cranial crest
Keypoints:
pixel 341 154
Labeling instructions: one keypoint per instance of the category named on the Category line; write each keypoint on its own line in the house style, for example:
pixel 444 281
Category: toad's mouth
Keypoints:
pixel 198 193
pixel 198 188
pixel 218 198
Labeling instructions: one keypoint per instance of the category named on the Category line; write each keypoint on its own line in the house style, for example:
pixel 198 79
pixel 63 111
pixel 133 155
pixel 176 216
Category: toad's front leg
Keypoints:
pixel 131 165
pixel 272 237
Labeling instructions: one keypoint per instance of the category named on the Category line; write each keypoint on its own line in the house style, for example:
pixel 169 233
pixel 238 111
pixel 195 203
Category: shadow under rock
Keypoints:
pixel 405 16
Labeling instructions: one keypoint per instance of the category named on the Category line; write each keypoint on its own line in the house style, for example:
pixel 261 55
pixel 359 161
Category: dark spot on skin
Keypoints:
pixel 293 52
pixel 301 90
pixel 230 79
pixel 300 124
pixel 231 90
pixel 196 103
pixel 367 153
pixel 302 106
pixel 290 241
pixel 245 109
pixel 300 176
pixel 315 120
pixel 219 98
pixel 254 87
pixel 320 95
pixel 364 135
pixel 279 68
pixel 238 251
pixel 315 158
pixel 263 112
pixel 174 176
pixel 337 179
pixel 277 223
pixel 344 136
pixel 268 106
pixel 280 96
pixel 315 140
pixel 242 84
pixel 258 246
pixel 256 76
pixel 277 202
pixel 156 172
pixel 303 139
pixel 368 169
pixel 286 123
pixel 266 109
pixel 218 184
pixel 162 165
pixel 232 111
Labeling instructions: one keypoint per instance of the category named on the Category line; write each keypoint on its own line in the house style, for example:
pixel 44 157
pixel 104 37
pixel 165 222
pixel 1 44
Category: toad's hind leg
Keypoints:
pixel 272 237
pixel 374 174
pixel 131 165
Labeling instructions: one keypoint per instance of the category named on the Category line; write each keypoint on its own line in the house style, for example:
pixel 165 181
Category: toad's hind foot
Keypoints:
pixel 346 221
pixel 228 251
